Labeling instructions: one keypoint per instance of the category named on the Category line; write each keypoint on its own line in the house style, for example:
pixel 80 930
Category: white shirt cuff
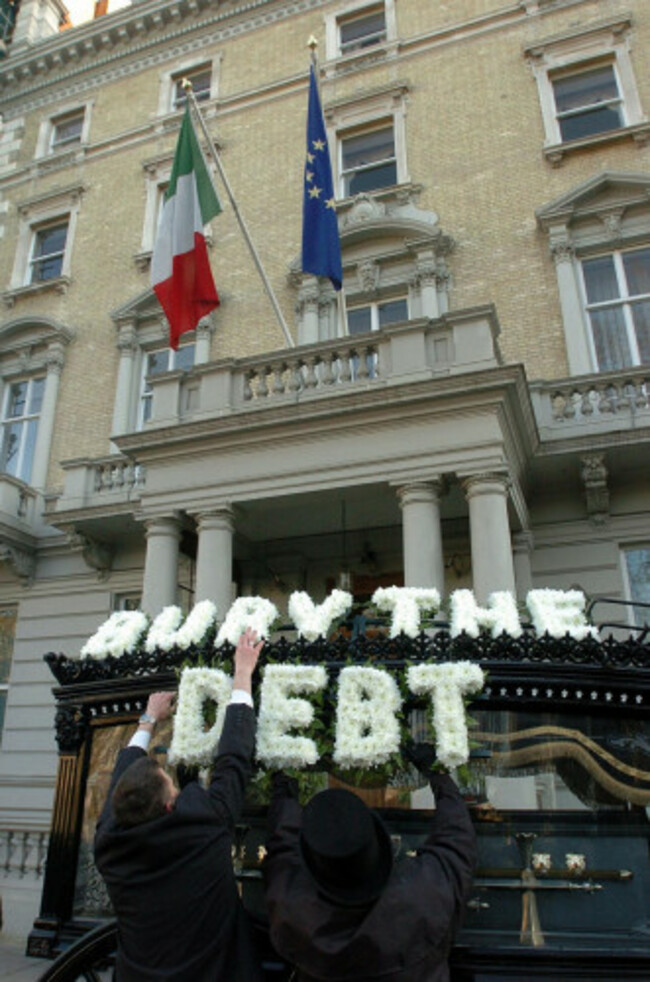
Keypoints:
pixel 141 738
pixel 239 696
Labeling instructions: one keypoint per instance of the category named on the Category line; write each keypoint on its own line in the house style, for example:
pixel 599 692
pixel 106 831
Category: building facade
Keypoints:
pixel 471 412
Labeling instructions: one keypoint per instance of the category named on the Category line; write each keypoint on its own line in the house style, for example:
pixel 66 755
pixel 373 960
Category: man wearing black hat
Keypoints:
pixel 340 909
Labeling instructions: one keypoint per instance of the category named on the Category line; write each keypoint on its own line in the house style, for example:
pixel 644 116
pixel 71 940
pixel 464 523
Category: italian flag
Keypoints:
pixel 180 270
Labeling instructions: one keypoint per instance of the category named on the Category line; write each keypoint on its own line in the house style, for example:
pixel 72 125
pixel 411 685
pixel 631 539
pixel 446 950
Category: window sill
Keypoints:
pixel 640 133
pixel 58 284
pixel 341 64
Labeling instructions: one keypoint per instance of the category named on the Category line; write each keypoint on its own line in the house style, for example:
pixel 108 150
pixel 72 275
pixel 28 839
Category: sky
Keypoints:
pixel 82 10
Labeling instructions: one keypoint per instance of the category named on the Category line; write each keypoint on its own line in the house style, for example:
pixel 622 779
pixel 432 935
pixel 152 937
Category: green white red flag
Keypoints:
pixel 180 269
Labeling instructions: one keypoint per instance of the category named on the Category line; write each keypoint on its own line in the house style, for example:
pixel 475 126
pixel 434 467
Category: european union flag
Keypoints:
pixel 321 249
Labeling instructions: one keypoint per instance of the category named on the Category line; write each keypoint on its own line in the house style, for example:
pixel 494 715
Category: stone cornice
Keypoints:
pixel 146 33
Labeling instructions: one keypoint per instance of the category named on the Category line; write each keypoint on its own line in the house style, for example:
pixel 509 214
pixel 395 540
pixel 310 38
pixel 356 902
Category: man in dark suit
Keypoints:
pixel 165 854
pixel 340 909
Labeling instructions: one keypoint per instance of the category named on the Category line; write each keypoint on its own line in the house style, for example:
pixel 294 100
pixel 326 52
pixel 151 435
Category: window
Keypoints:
pixel 7 635
pixel 587 89
pixel 201 79
pixel 617 290
pixel 637 573
pixel 362 30
pixel 588 102
pixel 46 230
pixel 48 250
pixel 20 415
pixel 374 316
pixel 359 29
pixel 368 161
pixel 157 362
pixel 67 129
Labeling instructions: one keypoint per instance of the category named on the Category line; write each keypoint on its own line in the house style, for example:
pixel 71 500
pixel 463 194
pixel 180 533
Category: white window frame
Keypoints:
pixel 624 301
pixel 352 11
pixel 35 260
pixel 35 214
pixel 578 50
pixel 632 547
pixel 45 144
pixel 168 79
pixel 348 175
pixel 352 117
pixel 23 468
pixel 374 306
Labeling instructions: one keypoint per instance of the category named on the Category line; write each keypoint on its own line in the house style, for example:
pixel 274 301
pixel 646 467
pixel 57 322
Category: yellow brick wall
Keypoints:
pixel 474 143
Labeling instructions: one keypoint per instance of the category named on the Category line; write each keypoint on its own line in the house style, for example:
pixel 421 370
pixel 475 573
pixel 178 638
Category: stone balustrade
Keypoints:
pixel 104 481
pixel 22 852
pixel 595 403
pixel 417 350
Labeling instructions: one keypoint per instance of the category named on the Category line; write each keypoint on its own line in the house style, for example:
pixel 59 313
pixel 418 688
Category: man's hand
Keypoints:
pixel 246 654
pixel 161 705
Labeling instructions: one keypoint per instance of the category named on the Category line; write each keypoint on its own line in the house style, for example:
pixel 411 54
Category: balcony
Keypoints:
pixel 593 405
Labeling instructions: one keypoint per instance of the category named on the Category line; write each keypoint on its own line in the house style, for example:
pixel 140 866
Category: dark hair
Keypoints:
pixel 140 794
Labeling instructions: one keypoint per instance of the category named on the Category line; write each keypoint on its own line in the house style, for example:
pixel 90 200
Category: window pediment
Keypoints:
pixel 606 211
pixel 597 194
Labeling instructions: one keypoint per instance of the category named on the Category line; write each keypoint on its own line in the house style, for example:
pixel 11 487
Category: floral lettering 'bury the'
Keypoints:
pixel 557 612
pixel 254 612
pixel 314 620
pixel 500 614
pixel 560 612
pixel 281 711
pixel 406 605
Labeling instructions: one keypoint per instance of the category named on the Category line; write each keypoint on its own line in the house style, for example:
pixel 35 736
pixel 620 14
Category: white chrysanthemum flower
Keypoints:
pixel 281 710
pixel 367 728
pixel 253 612
pixel 191 743
pixel 313 620
pixel 560 612
pixel 447 683
pixel 117 636
pixel 407 605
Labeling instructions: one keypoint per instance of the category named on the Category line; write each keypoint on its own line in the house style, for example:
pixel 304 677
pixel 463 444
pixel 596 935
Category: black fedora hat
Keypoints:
pixel 346 847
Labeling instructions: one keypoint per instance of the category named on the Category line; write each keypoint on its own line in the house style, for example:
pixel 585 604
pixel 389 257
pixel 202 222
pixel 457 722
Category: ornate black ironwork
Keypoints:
pixel 71 724
pixel 436 645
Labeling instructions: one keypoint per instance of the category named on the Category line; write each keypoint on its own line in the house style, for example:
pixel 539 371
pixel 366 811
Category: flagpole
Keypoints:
pixel 187 85
pixel 312 44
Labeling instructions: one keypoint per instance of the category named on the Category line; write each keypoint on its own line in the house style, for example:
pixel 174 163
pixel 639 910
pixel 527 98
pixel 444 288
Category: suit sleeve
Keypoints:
pixel 233 764
pixel 282 862
pixel 125 758
pixel 452 841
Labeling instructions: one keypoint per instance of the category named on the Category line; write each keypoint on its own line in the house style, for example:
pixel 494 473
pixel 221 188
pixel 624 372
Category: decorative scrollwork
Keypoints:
pixel 71 725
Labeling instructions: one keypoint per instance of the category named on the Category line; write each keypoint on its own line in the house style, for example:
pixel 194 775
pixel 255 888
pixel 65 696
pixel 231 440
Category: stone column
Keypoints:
pixel 492 565
pixel 422 535
pixel 573 314
pixel 204 332
pixel 159 588
pixel 54 361
pixel 214 558
pixel 308 297
pixel 522 548
pixel 426 278
pixel 127 344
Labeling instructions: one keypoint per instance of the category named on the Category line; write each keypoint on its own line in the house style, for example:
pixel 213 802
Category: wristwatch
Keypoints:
pixel 148 718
